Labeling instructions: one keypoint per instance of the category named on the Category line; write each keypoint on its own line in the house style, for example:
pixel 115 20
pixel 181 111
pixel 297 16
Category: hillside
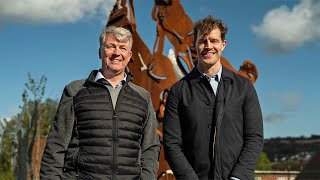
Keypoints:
pixel 291 153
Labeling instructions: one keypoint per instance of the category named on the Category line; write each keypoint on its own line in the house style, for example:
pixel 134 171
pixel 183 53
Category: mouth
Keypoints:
pixel 207 54
pixel 115 60
pixel 210 52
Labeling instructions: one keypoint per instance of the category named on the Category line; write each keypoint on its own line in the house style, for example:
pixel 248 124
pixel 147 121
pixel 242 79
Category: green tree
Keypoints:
pixel 48 109
pixel 18 135
pixel 263 162
pixel 28 125
pixel 8 144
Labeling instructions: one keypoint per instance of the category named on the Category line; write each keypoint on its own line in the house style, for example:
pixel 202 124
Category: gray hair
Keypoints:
pixel 119 33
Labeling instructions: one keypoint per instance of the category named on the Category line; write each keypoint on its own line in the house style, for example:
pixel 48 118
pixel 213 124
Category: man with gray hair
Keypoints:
pixel 105 126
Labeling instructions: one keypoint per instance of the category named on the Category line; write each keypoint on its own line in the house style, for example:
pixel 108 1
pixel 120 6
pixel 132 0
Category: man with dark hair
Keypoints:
pixel 213 125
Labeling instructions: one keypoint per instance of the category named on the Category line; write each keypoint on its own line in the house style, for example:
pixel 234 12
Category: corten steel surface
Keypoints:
pixel 155 71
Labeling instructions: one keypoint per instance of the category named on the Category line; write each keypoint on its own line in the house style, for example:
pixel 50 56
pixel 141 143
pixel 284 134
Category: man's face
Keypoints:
pixel 209 48
pixel 114 55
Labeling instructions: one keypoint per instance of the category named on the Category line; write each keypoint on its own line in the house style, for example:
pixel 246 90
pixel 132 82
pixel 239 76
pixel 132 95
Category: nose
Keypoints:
pixel 116 50
pixel 208 44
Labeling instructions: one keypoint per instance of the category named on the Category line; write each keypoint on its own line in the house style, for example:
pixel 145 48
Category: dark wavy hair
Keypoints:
pixel 206 25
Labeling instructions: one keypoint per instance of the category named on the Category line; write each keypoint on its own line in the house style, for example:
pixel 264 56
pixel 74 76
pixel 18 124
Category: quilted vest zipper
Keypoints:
pixel 114 137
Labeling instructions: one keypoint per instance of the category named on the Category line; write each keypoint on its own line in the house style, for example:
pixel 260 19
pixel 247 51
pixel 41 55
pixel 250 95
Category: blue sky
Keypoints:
pixel 59 39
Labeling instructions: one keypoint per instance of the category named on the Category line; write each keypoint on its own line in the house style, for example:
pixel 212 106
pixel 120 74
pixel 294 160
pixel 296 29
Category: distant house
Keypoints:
pixel 311 171
pixel 276 175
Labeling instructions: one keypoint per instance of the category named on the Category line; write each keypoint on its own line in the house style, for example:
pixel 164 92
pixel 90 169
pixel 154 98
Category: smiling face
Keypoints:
pixel 209 49
pixel 114 56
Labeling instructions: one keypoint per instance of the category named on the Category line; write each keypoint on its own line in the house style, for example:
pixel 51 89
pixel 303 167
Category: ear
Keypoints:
pixel 224 44
pixel 130 54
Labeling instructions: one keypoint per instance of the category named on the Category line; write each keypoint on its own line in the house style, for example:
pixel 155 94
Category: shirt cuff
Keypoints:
pixel 234 178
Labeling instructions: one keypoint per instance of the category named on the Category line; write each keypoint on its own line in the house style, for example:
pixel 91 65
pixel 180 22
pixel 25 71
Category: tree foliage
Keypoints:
pixel 48 109
pixel 8 144
pixel 264 162
pixel 28 125
pixel 20 133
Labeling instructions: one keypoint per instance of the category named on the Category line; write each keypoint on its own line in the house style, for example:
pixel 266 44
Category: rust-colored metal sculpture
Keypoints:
pixel 156 72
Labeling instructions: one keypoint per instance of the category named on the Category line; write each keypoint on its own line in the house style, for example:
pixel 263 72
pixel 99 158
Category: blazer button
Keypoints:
pixel 209 126
pixel 208 102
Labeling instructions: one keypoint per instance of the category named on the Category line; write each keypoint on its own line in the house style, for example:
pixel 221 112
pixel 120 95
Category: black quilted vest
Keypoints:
pixel 109 139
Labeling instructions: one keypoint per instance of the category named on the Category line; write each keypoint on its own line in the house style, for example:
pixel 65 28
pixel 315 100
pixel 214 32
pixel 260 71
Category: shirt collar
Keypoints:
pixel 214 76
pixel 101 76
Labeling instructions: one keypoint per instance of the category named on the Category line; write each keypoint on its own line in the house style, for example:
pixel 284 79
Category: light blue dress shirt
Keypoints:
pixel 214 81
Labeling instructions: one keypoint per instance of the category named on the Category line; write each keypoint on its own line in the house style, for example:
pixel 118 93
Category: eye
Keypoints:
pixel 109 46
pixel 124 48
pixel 214 41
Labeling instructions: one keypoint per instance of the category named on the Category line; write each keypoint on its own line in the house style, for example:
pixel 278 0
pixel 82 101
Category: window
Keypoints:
pixel 282 178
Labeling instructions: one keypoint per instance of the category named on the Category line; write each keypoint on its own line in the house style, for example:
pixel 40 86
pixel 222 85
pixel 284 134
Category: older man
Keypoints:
pixel 105 126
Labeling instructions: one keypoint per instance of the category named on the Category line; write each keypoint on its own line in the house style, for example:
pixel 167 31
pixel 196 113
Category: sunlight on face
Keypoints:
pixel 209 48
pixel 115 55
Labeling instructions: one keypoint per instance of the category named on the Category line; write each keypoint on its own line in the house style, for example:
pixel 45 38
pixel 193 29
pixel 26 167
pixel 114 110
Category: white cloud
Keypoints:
pixel 275 117
pixel 286 29
pixel 288 103
pixel 53 11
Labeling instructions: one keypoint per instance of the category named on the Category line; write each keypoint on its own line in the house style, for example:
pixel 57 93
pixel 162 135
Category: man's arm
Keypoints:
pixel 58 139
pixel 172 140
pixel 253 136
pixel 150 146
